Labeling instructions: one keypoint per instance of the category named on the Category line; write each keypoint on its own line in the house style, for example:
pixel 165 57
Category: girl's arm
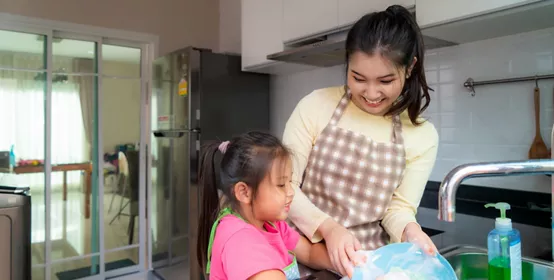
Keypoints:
pixel 313 255
pixel 269 275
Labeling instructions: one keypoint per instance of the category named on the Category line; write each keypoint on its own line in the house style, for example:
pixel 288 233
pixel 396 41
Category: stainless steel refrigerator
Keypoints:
pixel 197 96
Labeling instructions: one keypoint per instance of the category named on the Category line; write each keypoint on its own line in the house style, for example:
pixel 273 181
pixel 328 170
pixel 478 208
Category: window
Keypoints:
pixel 23 126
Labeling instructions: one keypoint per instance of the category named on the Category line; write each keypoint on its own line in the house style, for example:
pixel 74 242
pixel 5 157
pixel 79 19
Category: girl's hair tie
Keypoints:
pixel 223 146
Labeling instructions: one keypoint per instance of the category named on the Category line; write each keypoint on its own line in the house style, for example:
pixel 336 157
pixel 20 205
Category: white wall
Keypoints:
pixel 230 26
pixel 178 23
pixel 496 124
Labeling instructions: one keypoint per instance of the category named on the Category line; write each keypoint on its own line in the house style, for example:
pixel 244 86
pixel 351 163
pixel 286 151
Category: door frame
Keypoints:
pixel 148 45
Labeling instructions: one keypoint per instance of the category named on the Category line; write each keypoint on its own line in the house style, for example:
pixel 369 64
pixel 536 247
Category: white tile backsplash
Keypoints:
pixel 496 124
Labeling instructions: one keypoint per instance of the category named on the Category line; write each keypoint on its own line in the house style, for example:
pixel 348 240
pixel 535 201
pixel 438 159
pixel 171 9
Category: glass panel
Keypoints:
pixel 22 127
pixel 72 230
pixel 160 69
pixel 160 214
pixel 120 61
pixel 37 273
pixel 22 50
pixel 75 269
pixel 180 196
pixel 73 56
pixel 122 258
pixel 179 247
pixel 170 161
pixel 121 134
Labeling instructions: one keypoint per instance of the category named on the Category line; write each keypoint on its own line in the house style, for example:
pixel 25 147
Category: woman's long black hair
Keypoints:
pixel 248 158
pixel 394 33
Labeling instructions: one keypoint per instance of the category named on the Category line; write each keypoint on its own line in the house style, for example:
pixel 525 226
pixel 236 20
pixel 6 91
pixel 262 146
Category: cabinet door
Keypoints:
pixel 307 17
pixel 430 12
pixel 261 29
pixel 352 10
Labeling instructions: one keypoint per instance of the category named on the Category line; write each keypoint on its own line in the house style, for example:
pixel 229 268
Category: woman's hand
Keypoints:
pixel 341 246
pixel 414 234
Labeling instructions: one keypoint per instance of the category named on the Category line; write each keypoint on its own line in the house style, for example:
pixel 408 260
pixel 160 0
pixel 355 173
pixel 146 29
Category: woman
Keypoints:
pixel 362 152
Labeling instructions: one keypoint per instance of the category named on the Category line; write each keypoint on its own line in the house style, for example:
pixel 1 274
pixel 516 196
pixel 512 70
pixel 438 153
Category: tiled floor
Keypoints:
pixel 174 272
pixel 141 276
pixel 72 235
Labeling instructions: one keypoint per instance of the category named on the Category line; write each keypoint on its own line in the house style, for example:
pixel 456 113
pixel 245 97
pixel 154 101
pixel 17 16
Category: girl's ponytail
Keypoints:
pixel 417 103
pixel 209 209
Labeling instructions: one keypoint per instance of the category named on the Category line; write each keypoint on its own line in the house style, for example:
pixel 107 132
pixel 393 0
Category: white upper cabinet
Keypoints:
pixel 261 31
pixel 432 12
pixel 303 18
pixel 351 10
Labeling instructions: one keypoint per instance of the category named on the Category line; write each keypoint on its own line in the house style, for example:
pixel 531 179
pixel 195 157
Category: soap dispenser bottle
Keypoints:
pixel 504 247
pixel 12 158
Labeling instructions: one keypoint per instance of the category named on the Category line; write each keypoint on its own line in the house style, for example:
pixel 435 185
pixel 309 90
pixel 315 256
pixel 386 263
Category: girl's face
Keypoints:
pixel 374 82
pixel 275 193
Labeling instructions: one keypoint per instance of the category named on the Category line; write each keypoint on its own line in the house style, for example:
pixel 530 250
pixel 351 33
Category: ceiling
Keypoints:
pixel 32 43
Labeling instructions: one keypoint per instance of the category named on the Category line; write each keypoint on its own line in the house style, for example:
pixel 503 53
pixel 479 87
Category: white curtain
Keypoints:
pixel 22 125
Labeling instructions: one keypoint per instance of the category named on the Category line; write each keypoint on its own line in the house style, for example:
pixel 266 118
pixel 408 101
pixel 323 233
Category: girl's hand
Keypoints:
pixel 414 234
pixel 342 247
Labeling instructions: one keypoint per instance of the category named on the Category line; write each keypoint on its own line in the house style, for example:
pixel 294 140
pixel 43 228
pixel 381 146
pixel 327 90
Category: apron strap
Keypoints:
pixel 339 110
pixel 396 136
pixel 224 212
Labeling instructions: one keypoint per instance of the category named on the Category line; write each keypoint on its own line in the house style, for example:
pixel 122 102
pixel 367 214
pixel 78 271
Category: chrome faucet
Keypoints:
pixel 450 184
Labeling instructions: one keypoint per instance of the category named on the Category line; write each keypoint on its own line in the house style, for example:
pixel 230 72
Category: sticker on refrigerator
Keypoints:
pixel 183 87
pixel 164 121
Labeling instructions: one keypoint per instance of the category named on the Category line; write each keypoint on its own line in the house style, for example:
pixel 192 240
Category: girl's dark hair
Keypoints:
pixel 248 158
pixel 394 34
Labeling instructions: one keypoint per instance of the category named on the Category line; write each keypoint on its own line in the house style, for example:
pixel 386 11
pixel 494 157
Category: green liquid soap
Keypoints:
pixel 499 269
pixel 504 248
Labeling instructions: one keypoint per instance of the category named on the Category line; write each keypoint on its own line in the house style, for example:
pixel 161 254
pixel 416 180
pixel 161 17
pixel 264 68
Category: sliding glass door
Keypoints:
pixel 23 88
pixel 73 217
pixel 121 137
pixel 74 114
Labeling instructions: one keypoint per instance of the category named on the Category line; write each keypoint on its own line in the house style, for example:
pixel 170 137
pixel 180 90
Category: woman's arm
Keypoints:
pixel 299 136
pixel 407 196
pixel 312 255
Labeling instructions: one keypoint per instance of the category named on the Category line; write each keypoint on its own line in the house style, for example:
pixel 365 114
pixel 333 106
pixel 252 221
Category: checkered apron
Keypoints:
pixel 352 178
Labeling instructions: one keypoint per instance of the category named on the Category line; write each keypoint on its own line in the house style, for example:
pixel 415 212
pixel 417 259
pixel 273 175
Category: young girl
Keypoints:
pixel 244 235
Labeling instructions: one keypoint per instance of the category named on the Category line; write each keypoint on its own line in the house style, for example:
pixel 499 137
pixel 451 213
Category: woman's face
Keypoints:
pixel 374 82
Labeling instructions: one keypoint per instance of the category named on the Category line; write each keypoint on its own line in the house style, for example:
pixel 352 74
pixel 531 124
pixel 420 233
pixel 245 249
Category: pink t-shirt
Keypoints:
pixel 240 250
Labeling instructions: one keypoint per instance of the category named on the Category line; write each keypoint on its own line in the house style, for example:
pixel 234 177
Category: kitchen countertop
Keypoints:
pixel 473 230
pixel 322 275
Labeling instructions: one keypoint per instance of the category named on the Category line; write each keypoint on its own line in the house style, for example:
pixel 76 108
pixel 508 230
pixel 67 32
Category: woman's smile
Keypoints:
pixel 373 103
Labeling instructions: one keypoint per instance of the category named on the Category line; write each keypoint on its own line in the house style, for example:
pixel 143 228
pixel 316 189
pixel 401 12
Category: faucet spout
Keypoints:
pixel 450 184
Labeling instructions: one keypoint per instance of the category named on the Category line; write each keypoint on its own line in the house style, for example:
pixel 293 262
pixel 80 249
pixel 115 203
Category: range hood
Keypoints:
pixel 328 49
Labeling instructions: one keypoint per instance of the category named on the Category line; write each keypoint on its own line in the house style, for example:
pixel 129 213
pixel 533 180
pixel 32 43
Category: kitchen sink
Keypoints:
pixel 471 263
